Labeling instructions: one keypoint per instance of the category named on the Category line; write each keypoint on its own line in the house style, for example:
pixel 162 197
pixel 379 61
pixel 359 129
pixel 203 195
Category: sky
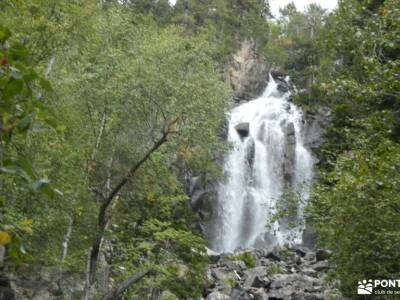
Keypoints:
pixel 300 4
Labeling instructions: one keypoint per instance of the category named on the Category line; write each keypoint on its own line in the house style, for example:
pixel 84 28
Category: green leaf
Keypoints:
pixel 27 167
pixel 30 75
pixel 5 33
pixel 61 128
pixel 19 52
pixel 45 84
pixel 24 124
pixel 13 88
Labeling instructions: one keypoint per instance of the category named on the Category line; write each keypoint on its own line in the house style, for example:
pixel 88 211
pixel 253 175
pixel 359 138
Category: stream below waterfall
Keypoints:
pixel 267 171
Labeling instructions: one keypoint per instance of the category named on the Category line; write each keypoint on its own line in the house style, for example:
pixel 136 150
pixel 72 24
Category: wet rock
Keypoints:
pixel 250 152
pixel 283 86
pixel 213 256
pixel 301 251
pixel 315 124
pixel 289 153
pixel 309 237
pixel 280 79
pixel 278 74
pixel 243 129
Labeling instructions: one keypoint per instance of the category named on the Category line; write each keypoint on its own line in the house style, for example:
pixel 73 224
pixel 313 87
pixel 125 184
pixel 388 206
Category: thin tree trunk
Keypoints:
pixel 88 287
pixel 99 136
pixel 50 66
pixel 103 213
pixel 65 245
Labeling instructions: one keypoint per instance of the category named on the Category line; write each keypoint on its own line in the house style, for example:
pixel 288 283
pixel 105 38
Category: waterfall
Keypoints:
pixel 267 166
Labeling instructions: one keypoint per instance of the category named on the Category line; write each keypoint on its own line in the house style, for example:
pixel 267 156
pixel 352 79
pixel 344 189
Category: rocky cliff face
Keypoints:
pixel 248 72
pixel 276 273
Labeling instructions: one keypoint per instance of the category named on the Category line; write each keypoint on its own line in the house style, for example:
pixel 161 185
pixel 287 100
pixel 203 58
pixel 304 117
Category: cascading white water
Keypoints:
pixel 263 165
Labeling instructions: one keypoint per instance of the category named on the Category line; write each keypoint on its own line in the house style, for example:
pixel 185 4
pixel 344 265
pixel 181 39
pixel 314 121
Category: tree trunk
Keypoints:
pixel 103 215
pixel 116 293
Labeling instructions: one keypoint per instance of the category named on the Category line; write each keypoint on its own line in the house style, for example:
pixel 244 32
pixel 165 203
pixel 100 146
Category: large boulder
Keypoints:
pixel 314 126
pixel 243 129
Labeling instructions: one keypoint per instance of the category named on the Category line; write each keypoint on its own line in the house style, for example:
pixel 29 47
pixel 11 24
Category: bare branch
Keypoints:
pixel 99 136
pixel 118 291
pixel 102 217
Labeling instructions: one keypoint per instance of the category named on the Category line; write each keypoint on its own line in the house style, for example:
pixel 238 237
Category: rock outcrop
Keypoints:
pixel 316 121
pixel 243 129
pixel 248 72
pixel 289 153
pixel 278 273
pixel 40 283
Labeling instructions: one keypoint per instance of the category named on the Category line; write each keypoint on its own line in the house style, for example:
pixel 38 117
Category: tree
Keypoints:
pixel 358 187
pixel 178 90
pixel 20 109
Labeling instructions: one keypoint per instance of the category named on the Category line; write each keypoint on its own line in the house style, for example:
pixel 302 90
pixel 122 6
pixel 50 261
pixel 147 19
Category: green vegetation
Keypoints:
pixel 133 108
pixel 348 62
pixel 274 269
pixel 107 106
pixel 246 257
pixel 356 206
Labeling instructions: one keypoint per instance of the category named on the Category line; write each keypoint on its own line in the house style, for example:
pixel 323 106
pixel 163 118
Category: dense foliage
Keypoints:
pixel 348 61
pixel 117 92
pixel 356 208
